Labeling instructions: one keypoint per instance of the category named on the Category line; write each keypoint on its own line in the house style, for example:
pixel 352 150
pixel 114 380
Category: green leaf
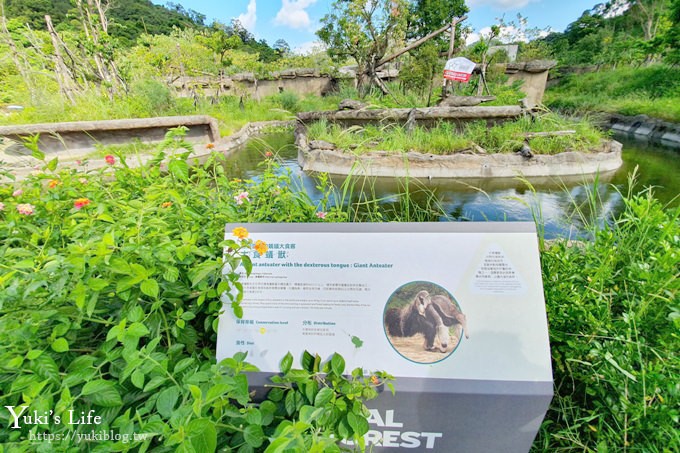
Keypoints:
pixel 137 329
pixel 150 288
pixel 154 383
pixel 102 393
pixel 97 284
pixel 166 401
pixel 137 379
pixel 33 354
pixel 279 445
pixel 247 264
pixel 52 165
pixel 136 314
pixel 183 364
pixel 308 362
pixel 179 169
pixel 324 396
pixel 253 435
pixel 286 363
pixel 202 271
pixel 358 342
pixel 289 403
pixel 308 414
pixel 358 424
pixel 202 435
pixel 60 345
pixel 36 153
pixel 337 364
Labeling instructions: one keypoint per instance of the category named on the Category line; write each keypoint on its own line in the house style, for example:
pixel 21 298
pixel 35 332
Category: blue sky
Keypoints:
pixel 297 20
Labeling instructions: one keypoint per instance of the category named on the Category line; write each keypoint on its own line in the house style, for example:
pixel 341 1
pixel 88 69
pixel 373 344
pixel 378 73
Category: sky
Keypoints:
pixel 297 20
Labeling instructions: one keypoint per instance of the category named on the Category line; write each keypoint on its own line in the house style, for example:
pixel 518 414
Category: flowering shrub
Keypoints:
pixel 110 290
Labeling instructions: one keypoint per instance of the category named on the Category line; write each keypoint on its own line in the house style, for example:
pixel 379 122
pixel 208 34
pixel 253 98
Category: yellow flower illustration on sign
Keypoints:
pixel 263 330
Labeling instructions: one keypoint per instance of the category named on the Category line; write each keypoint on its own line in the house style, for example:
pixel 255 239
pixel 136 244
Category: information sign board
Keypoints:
pixel 454 310
pixel 459 69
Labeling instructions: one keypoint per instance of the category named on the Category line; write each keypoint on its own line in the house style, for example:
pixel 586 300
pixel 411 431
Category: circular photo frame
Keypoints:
pixel 423 322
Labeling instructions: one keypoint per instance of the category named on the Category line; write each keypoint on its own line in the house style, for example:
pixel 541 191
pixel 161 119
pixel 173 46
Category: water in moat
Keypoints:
pixel 495 199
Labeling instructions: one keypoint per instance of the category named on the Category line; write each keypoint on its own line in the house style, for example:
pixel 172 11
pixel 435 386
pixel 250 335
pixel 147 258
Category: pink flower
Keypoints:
pixel 79 162
pixel 240 198
pixel 80 203
pixel 17 193
pixel 321 215
pixel 268 154
pixel 25 209
pixel 110 159
pixel 2 206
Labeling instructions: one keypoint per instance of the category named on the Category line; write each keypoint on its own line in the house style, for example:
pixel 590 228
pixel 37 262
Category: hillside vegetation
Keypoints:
pixel 652 91
pixel 635 47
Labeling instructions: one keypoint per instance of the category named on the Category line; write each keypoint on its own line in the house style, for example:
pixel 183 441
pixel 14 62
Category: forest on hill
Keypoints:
pixel 620 32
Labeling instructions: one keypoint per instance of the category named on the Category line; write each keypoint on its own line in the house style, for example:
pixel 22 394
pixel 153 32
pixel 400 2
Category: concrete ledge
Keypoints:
pixel 87 135
pixel 642 127
pixel 421 115
pixel 25 166
pixel 418 165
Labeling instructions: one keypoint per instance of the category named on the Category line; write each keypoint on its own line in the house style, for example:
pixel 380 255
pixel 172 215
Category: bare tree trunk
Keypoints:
pixel 19 61
pixel 95 24
pixel 417 43
pixel 64 75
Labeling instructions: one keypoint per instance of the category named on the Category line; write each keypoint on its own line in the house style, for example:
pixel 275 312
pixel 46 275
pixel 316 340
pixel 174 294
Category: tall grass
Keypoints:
pixel 446 138
pixel 614 315
pixel 150 98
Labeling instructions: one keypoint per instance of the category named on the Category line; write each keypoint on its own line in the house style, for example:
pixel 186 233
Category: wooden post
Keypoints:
pixel 452 48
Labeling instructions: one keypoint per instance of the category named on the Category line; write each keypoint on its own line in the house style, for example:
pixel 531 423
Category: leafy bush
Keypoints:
pixel 614 316
pixel 110 294
pixel 289 101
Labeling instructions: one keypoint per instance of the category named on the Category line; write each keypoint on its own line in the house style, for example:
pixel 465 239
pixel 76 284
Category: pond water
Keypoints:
pixel 562 203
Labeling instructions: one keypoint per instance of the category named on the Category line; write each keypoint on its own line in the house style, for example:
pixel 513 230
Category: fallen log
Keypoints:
pixel 429 113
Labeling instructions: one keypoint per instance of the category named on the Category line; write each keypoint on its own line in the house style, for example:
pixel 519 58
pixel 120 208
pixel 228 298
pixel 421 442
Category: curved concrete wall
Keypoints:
pixel 645 128
pixel 418 165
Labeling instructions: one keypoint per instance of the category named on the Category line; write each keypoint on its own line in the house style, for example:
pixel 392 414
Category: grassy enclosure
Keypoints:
pixel 446 138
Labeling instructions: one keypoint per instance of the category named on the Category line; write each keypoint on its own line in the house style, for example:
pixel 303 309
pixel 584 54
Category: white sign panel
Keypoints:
pixel 459 69
pixel 447 300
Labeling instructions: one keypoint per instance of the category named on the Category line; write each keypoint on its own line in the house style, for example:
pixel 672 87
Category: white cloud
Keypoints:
pixel 500 4
pixel 249 18
pixel 507 35
pixel 292 14
pixel 309 47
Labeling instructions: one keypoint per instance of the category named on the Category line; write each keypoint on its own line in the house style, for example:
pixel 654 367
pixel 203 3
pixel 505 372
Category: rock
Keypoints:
pixel 350 104
pixel 465 101
pixel 321 144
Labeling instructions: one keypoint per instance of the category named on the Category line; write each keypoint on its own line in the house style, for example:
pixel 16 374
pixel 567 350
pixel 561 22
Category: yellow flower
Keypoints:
pixel 53 183
pixel 167 204
pixel 240 232
pixel 260 247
